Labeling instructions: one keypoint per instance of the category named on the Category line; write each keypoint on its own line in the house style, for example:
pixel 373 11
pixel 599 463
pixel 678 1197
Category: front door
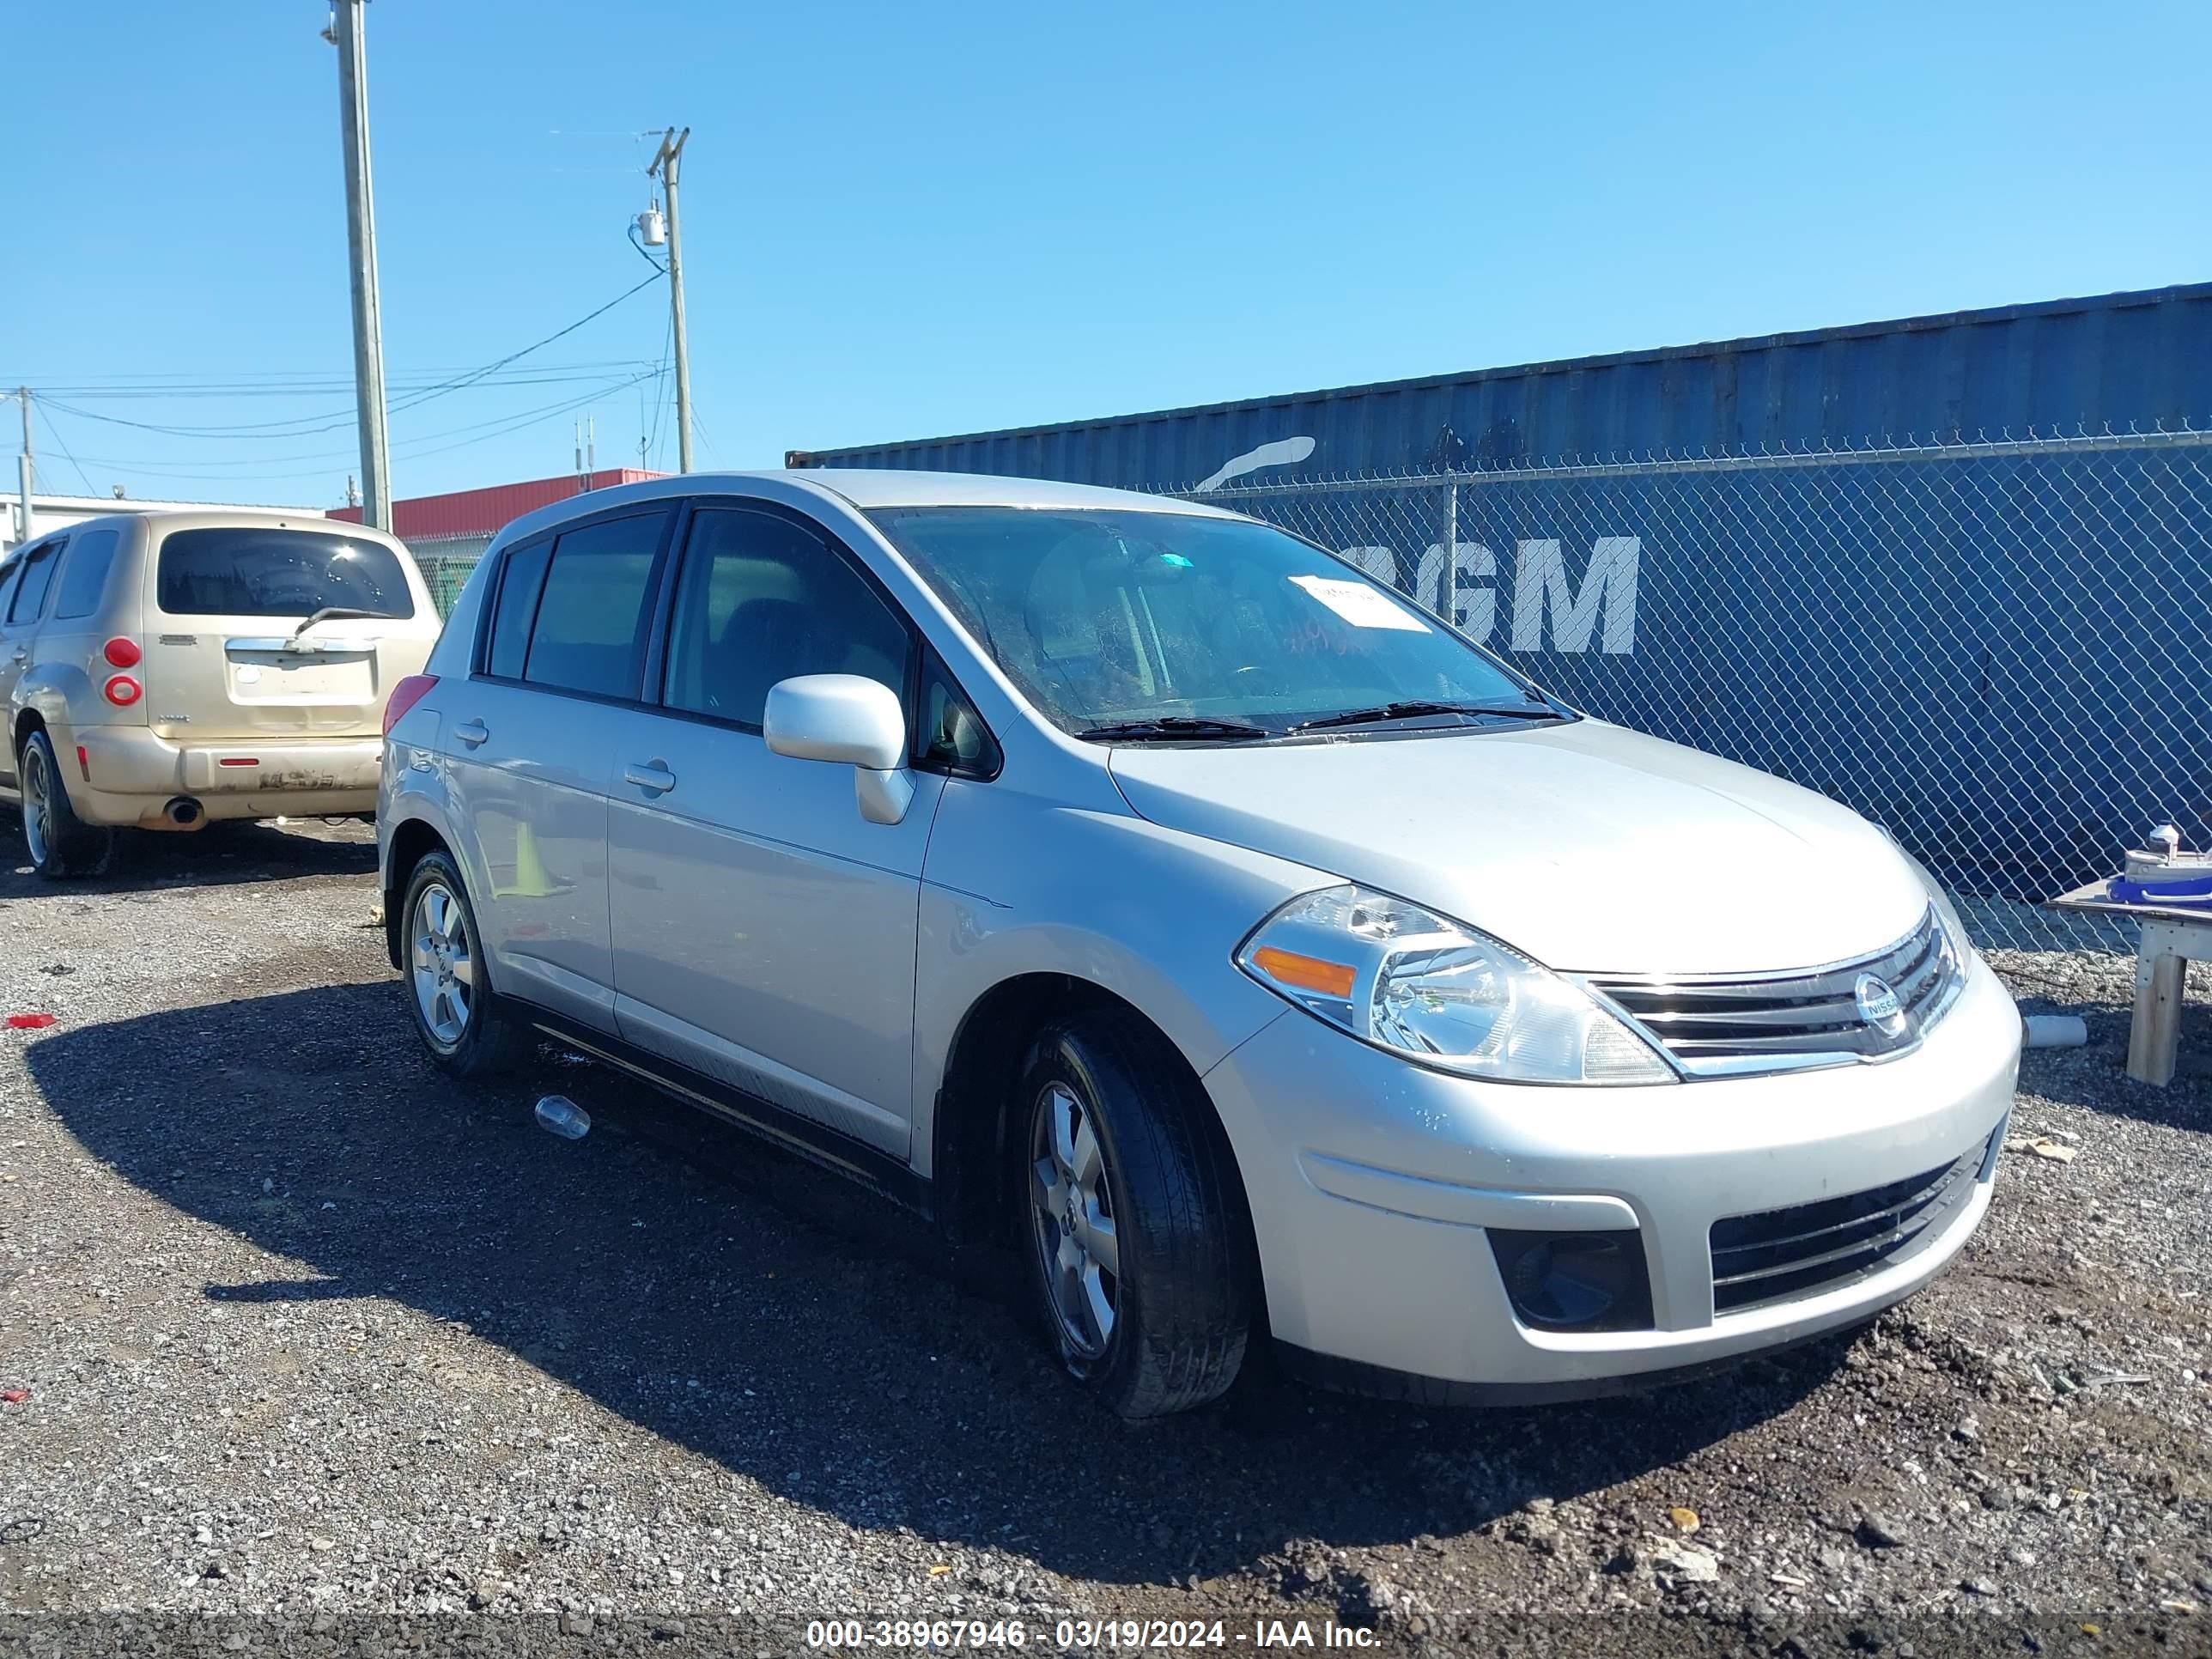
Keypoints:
pixel 530 743
pixel 764 931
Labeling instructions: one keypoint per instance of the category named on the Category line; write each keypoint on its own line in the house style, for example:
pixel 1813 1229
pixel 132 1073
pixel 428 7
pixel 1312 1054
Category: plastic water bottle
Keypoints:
pixel 560 1115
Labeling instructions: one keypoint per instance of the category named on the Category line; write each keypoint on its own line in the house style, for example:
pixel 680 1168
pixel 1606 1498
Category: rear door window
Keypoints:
pixel 84 573
pixel 270 571
pixel 31 592
pixel 590 631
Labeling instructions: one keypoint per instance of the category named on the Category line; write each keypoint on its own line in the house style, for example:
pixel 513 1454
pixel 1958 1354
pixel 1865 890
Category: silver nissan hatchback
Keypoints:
pixel 1147 889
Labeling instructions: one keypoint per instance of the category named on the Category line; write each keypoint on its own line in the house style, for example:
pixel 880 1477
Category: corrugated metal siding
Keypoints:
pixel 2141 358
pixel 467 513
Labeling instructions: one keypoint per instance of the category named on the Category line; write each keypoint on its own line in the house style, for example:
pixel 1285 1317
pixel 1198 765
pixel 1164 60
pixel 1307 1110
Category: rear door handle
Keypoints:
pixel 473 733
pixel 653 775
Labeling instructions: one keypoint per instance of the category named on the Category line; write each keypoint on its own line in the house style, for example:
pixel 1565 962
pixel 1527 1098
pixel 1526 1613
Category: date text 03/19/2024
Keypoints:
pixel 1077 1635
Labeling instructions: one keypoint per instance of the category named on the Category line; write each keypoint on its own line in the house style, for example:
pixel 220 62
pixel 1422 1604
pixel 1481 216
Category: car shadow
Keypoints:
pixel 220 855
pixel 780 1322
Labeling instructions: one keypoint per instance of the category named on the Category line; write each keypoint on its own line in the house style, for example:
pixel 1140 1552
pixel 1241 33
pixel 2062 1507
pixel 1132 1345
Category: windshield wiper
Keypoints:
pixel 330 612
pixel 1174 727
pixel 1532 710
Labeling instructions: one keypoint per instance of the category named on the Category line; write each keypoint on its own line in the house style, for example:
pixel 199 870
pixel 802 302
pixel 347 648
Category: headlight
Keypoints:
pixel 1395 976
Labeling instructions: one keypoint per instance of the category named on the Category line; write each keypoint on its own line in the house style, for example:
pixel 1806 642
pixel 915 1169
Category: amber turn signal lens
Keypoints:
pixel 1307 973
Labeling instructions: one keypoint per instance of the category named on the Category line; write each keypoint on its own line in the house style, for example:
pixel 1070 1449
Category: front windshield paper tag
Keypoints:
pixel 1361 605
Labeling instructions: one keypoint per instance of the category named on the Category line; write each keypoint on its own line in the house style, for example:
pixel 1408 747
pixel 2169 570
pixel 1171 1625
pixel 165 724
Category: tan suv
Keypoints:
pixel 161 670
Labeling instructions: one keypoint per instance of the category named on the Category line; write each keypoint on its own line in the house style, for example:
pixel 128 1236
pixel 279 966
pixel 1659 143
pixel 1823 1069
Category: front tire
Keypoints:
pixel 1142 1271
pixel 459 1019
pixel 62 845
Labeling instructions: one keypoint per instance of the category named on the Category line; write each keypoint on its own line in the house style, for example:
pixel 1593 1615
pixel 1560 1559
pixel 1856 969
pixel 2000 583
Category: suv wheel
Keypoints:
pixel 61 844
pixel 456 1015
pixel 1141 1264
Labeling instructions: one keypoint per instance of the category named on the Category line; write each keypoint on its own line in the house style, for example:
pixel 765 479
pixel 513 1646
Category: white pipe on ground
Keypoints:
pixel 2053 1030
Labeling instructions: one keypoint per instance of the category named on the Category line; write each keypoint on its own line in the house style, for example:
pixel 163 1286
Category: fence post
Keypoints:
pixel 1449 538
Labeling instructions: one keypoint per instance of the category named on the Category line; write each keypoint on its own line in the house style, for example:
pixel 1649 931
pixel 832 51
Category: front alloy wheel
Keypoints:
pixel 1142 1274
pixel 1071 1213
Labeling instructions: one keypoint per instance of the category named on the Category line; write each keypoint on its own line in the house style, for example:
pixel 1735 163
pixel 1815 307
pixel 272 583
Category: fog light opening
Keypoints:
pixel 1593 1281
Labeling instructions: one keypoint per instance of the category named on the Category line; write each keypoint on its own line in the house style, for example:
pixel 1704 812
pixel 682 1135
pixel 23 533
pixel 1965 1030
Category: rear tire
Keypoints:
pixel 461 1022
pixel 62 846
pixel 1141 1270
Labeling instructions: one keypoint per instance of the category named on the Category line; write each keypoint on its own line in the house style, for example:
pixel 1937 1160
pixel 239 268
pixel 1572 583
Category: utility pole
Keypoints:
pixel 665 164
pixel 345 32
pixel 23 469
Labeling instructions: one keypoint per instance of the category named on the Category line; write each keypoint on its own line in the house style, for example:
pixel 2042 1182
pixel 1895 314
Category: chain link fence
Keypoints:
pixel 445 574
pixel 2001 651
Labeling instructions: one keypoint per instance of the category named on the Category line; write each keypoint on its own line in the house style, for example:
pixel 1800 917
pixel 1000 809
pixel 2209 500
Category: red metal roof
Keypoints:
pixel 465 513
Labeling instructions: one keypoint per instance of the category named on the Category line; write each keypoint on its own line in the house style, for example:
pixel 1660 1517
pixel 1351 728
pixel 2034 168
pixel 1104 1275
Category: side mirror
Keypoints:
pixel 846 719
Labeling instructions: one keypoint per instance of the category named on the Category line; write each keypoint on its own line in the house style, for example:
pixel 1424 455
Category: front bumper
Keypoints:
pixel 1372 1180
pixel 126 774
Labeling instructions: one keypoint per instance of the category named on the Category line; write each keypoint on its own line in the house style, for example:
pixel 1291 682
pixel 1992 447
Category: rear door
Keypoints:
pixel 19 616
pixel 530 740
pixel 15 648
pixel 235 650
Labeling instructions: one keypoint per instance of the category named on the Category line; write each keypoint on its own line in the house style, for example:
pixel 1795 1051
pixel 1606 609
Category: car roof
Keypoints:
pixel 864 487
pixel 163 520
pixel 869 487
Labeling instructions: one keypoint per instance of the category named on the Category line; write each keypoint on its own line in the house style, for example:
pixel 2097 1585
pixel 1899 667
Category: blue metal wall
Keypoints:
pixel 2142 358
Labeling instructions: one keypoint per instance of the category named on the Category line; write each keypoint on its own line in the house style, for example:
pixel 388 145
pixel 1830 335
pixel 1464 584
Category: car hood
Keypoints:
pixel 1586 846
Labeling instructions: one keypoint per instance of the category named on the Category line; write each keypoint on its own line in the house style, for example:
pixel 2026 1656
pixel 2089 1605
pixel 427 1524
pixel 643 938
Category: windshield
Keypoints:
pixel 265 571
pixel 1105 618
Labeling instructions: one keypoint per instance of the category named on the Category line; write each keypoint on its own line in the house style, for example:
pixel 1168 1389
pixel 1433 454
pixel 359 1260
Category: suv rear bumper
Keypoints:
pixel 126 774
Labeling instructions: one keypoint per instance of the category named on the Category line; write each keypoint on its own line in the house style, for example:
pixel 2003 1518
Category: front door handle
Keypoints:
pixel 473 733
pixel 653 775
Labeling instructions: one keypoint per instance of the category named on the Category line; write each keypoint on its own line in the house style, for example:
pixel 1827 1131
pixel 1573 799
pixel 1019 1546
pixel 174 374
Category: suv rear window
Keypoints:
pixel 250 571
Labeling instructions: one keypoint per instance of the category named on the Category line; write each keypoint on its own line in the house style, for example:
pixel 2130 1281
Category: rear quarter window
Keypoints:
pixel 519 579
pixel 84 573
pixel 31 592
pixel 257 571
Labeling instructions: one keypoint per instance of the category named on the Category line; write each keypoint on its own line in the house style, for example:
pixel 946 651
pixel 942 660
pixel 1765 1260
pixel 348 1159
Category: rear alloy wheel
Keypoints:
pixel 456 1015
pixel 60 843
pixel 1142 1265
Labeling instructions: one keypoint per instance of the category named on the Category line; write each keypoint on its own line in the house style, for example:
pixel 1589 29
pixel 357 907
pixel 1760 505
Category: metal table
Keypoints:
pixel 2170 939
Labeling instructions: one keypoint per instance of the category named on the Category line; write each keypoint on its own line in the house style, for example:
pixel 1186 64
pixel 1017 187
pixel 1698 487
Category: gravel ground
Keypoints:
pixel 310 1333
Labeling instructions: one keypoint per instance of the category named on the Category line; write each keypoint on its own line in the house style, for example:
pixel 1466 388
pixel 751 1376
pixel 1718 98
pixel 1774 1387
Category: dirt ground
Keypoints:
pixel 309 1340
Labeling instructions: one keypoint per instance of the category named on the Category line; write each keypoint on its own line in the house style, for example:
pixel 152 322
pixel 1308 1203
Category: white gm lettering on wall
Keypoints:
pixel 1551 610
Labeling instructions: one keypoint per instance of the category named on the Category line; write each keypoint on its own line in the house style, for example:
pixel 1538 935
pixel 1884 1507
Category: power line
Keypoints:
pixel 83 478
pixel 159 379
pixel 150 393
pixel 338 420
pixel 498 426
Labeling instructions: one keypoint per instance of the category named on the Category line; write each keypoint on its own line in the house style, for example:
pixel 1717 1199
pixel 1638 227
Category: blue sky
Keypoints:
pixel 904 220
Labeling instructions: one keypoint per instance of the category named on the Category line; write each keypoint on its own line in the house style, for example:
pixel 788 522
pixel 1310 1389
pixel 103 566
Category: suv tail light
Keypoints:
pixel 122 690
pixel 404 695
pixel 121 652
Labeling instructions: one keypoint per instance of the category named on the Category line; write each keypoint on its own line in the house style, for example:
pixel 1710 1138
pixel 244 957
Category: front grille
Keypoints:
pixel 1776 1255
pixel 1721 1027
